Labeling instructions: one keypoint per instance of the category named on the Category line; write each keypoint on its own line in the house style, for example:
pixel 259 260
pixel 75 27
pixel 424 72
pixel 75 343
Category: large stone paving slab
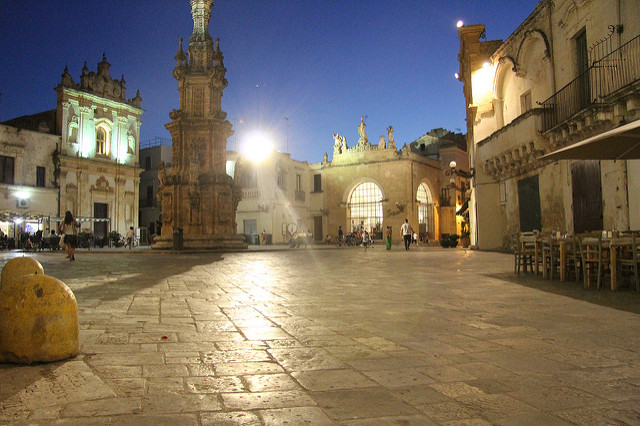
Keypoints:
pixel 335 336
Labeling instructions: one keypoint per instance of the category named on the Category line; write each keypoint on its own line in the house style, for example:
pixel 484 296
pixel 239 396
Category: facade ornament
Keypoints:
pixel 382 144
pixel 337 144
pixel 392 141
pixel 325 159
pixel 343 140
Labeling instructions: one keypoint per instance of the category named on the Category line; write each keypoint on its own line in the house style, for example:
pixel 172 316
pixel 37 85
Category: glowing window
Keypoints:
pixel 102 141
pixel 365 207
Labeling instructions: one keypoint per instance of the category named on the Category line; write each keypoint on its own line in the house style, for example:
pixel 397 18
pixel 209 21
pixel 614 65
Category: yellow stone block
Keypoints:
pixel 19 267
pixel 38 320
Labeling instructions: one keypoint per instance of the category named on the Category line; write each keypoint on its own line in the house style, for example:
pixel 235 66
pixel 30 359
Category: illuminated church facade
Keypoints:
pixel 86 152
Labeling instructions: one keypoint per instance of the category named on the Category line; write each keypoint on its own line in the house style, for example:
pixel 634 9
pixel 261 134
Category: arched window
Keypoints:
pixel 365 207
pixel 425 211
pixel 102 141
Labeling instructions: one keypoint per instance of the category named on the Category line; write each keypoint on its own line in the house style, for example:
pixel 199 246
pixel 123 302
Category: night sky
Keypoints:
pixel 320 63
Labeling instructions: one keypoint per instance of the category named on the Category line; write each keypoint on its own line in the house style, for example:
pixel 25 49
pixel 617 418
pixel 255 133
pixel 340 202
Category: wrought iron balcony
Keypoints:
pixel 600 82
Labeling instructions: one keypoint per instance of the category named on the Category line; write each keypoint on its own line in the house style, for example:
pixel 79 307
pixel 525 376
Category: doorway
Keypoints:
pixel 529 204
pixel 100 211
pixel 317 228
pixel 587 196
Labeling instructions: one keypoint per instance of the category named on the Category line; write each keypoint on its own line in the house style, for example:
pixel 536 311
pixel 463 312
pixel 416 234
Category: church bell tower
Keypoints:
pixel 198 198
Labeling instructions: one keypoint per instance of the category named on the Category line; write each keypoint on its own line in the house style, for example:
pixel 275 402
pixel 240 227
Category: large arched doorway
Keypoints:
pixel 365 208
pixel 426 211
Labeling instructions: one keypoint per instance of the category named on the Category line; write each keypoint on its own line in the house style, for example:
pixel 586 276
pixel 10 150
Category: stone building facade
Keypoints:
pixel 363 187
pixel 569 72
pixel 153 153
pixel 372 186
pixel 280 197
pixel 86 150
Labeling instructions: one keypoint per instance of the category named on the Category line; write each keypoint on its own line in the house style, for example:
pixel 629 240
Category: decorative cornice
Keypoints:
pixel 513 162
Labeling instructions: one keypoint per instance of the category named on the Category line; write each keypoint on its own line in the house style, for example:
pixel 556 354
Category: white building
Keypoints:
pixel 85 152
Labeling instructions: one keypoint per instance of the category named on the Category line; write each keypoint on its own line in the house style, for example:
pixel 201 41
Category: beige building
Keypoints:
pixel 85 152
pixel 570 72
pixel 367 186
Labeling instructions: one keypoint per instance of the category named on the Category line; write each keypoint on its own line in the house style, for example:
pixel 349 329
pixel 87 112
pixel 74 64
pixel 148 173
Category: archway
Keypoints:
pixel 426 212
pixel 365 208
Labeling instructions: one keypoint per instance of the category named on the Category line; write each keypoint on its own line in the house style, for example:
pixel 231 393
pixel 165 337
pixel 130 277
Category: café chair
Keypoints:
pixel 591 256
pixel 523 250
pixel 550 256
pixel 628 262
pixel 573 259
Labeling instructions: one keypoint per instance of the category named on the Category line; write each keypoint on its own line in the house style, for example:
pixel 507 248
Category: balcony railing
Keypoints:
pixel 250 193
pixel 602 79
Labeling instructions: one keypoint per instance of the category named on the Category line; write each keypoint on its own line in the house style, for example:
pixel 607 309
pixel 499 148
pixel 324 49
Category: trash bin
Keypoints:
pixel 177 238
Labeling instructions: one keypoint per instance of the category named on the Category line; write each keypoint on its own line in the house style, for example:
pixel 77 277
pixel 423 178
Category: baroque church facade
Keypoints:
pixel 87 155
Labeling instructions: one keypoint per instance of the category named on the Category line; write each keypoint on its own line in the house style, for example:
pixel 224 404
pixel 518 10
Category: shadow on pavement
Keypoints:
pixel 624 299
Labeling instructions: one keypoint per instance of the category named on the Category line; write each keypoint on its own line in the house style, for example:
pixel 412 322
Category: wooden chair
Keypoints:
pixel 628 262
pixel 591 257
pixel 524 251
pixel 573 258
pixel 550 256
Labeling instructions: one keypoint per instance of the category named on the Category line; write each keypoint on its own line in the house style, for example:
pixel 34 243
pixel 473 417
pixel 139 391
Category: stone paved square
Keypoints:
pixel 331 336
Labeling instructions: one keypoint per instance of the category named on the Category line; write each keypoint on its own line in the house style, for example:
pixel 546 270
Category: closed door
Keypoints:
pixel 529 204
pixel 587 196
pixel 317 228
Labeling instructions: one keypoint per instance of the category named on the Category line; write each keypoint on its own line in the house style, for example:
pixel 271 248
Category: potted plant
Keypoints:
pixel 84 239
pixel 449 240
pixel 114 237
pixel 465 239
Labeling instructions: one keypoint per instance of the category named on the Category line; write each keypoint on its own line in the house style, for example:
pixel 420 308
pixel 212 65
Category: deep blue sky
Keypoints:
pixel 322 63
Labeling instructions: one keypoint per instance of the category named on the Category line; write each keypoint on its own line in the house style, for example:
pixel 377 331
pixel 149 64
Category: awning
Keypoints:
pixel 464 209
pixel 621 143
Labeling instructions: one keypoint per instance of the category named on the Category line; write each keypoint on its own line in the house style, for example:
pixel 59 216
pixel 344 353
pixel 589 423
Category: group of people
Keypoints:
pixel 408 235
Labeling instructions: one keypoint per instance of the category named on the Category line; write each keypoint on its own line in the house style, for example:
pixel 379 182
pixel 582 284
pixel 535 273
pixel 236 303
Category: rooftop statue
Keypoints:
pixel 392 141
pixel 362 131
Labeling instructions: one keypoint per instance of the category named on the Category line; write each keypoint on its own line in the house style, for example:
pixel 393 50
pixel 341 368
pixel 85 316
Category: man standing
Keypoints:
pixel 406 231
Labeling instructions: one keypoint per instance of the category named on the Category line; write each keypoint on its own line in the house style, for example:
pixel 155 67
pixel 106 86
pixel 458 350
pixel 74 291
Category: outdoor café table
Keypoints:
pixel 610 249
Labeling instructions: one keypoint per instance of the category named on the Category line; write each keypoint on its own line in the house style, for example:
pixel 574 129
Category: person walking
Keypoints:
pixel 68 229
pixel 388 238
pixel 340 236
pixel 406 231
pixel 129 237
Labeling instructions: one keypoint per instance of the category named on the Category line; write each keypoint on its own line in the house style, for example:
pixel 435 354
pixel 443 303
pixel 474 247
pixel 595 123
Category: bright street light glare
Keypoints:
pixel 257 147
